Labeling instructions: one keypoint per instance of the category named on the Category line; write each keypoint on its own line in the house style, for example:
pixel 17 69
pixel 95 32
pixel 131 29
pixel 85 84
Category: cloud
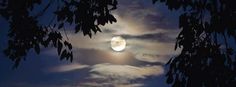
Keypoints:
pixel 150 15
pixel 28 84
pixel 67 68
pixel 160 37
pixel 135 19
pixel 124 72
pixel 153 47
pixel 87 56
pixel 153 58
pixel 96 56
pixel 109 75
pixel 131 85
pixel 95 84
pixel 98 41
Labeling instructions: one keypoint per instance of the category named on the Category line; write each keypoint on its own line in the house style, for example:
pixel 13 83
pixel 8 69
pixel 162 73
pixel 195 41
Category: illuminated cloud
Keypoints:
pixel 67 68
pixel 131 85
pixel 95 84
pixel 124 72
pixel 155 37
pixel 109 75
pixel 152 58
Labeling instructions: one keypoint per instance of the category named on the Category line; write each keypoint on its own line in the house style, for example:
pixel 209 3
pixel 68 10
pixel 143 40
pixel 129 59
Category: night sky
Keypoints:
pixel 149 30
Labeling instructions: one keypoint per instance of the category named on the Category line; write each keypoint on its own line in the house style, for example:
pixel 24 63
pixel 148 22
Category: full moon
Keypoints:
pixel 118 43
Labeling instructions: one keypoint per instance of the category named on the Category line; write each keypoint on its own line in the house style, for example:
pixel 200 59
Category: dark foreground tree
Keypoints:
pixel 207 42
pixel 27 33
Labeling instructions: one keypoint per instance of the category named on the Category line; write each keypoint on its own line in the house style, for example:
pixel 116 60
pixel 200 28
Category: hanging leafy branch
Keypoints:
pixel 27 33
pixel 207 29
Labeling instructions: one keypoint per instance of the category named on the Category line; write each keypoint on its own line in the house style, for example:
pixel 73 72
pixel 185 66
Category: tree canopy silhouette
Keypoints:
pixel 207 42
pixel 27 33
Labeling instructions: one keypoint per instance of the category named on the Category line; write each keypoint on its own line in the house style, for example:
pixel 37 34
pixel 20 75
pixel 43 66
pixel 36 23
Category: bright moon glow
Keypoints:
pixel 118 43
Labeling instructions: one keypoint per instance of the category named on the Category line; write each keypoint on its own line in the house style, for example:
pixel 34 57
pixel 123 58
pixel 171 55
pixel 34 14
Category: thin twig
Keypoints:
pixel 226 43
pixel 44 10
pixel 65 33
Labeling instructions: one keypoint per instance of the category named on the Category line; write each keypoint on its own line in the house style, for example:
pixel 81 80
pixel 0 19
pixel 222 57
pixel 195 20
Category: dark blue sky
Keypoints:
pixel 144 26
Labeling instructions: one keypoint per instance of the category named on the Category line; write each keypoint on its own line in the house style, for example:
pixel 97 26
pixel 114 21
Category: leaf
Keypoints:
pixel 112 19
pixel 90 34
pixel 71 57
pixel 63 55
pixel 169 79
pixel 59 47
pixel 68 44
pixel 169 61
pixel 58 35
pixel 182 20
pixel 37 48
pixel 98 28
pixel 70 18
pixel 54 40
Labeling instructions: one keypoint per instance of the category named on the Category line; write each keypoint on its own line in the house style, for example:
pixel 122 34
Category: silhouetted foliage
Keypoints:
pixel 26 33
pixel 207 42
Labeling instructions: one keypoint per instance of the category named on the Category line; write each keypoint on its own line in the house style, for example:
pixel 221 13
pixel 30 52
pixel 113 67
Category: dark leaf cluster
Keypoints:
pixel 207 42
pixel 87 15
pixel 27 33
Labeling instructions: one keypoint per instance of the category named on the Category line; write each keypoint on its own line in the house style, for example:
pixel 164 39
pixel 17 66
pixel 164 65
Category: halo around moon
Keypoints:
pixel 118 43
